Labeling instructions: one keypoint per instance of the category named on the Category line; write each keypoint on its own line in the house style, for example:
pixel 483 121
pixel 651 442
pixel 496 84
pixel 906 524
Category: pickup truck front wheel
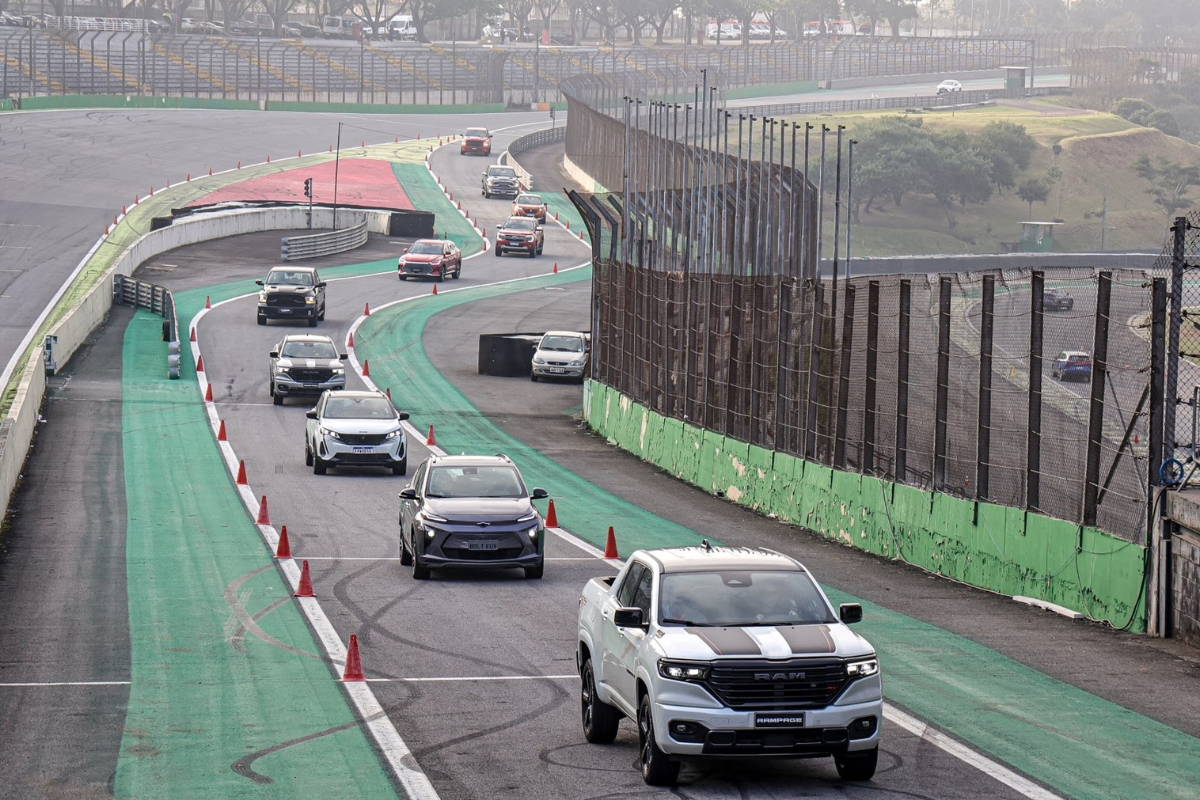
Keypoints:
pixel 657 768
pixel 600 720
pixel 858 766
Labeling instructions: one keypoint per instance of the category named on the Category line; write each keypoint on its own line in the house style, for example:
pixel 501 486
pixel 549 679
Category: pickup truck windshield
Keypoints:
pixel 741 598
pixel 309 350
pixel 281 277
pixel 502 172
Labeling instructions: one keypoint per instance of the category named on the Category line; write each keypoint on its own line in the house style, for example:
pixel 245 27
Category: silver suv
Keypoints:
pixel 355 429
pixel 304 364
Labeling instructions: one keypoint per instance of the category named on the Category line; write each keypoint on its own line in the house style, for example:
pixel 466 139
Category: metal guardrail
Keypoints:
pixel 157 299
pixel 314 245
pixel 929 101
pixel 523 143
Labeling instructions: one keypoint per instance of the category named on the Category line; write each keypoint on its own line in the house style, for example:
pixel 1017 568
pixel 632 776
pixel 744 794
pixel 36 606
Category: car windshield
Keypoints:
pixel 520 224
pixel 309 350
pixel 1080 357
pixel 482 481
pixel 529 200
pixel 742 597
pixel 283 277
pixel 359 408
pixel 565 344
pixel 502 172
pixel 480 133
pixel 425 249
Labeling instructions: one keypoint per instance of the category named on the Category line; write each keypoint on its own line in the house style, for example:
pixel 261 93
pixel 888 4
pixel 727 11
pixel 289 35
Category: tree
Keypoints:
pixel 1169 182
pixel 894 156
pixel 374 14
pixel 1009 139
pixel 277 10
pixel 1033 190
pixel 896 11
pixel 426 11
pixel 960 173
pixel 232 10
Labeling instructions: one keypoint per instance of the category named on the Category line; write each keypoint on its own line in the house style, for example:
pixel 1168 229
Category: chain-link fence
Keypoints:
pixel 1120 68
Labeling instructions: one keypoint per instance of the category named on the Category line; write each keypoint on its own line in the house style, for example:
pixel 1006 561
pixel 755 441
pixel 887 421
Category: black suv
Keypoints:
pixel 1057 300
pixel 292 293
pixel 471 511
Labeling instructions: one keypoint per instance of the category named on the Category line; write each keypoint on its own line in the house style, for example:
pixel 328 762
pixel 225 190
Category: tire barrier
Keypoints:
pixel 507 355
pixel 157 299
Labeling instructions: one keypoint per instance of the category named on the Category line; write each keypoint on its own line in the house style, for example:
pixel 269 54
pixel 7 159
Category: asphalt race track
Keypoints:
pixel 476 671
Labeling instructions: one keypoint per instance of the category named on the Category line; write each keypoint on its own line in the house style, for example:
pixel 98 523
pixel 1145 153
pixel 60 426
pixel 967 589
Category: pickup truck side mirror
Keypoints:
pixel 539 494
pixel 343 356
pixel 258 283
pixel 321 285
pixel 408 494
pixel 539 227
pixel 850 613
pixel 311 413
pixel 275 354
pixel 403 415
pixel 628 618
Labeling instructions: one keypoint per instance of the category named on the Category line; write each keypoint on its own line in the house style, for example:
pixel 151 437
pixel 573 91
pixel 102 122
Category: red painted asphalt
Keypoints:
pixel 360 182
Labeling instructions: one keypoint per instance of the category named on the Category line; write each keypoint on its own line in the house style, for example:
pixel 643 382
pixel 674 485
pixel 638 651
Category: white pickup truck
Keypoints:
pixel 722 651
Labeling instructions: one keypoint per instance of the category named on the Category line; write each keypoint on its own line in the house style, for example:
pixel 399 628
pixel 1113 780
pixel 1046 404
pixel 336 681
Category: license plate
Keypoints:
pixel 557 369
pixel 482 545
pixel 788 720
pixel 364 449
pixel 285 311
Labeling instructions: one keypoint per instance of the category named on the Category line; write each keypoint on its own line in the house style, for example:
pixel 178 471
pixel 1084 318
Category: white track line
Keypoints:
pixel 477 679
pixel 65 683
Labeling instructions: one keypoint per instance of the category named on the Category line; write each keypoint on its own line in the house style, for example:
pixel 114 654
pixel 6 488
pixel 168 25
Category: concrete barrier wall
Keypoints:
pixel 17 429
pixel 1005 550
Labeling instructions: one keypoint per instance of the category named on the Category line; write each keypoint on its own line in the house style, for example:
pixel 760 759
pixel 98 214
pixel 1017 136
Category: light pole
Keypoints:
pixel 336 157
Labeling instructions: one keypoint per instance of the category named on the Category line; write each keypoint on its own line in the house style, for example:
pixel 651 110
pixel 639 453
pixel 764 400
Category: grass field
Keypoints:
pixel 1097 155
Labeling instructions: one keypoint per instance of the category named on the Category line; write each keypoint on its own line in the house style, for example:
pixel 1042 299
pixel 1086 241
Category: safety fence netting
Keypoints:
pixel 1026 388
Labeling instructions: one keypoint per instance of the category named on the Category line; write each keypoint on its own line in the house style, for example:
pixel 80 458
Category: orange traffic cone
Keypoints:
pixel 389 393
pixel 434 289
pixel 239 166
pixel 207 301
pixel 551 517
pixel 200 364
pixel 241 476
pixel 284 548
pixel 555 270
pixel 299 154
pixel 210 172
pixel 268 158
pixel 366 309
pixel 136 200
pixel 366 368
pixel 189 177
pixel 350 341
pixel 610 546
pixel 152 191
pixel 264 518
pixel 556 216
pixel 193 337
pixel 354 670
pixel 208 395
pixel 168 184
pixel 221 437
pixel 431 440
pixel 305 589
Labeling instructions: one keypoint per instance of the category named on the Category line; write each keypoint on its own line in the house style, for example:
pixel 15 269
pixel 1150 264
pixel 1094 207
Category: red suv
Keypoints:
pixel 430 258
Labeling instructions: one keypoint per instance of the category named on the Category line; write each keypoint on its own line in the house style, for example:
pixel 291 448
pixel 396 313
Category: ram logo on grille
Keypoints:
pixel 779 676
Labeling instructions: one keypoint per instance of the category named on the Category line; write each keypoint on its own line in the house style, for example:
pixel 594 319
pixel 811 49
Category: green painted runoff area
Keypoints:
pixel 204 694
pixel 1073 741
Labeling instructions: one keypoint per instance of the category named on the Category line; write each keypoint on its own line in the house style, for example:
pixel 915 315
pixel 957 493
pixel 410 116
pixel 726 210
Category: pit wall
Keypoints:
pixel 1001 549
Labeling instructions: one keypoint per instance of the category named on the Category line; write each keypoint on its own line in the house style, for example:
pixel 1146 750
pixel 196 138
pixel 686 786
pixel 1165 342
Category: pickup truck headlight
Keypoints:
pixel 282 370
pixel 339 370
pixel 682 670
pixel 862 669
pixel 262 296
pixel 310 300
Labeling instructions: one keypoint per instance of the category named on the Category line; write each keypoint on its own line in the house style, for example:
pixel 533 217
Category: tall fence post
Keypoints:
pixel 868 433
pixel 814 372
pixel 902 346
pixel 1091 486
pixel 1156 534
pixel 839 445
pixel 1033 442
pixel 1172 386
pixel 941 403
pixel 983 441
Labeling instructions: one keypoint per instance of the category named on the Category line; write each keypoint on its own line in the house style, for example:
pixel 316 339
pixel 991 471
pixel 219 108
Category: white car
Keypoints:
pixel 948 86
pixel 355 429
pixel 560 354
pixel 719 652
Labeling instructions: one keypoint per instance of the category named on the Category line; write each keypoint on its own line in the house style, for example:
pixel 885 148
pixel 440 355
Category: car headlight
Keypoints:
pixel 329 433
pixel 262 296
pixel 394 434
pixel 862 669
pixel 437 262
pixel 282 370
pixel 339 370
pixel 539 361
pixel 576 362
pixel 530 517
pixel 310 300
pixel 429 516
pixel 682 670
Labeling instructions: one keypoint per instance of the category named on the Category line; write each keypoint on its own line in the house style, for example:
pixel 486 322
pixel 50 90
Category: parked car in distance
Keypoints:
pixel 1073 365
pixel 726 652
pixel 212 28
pixel 292 293
pixel 476 141
pixel 501 182
pixel 1057 300
pixel 305 364
pixel 948 86
pixel 520 235
pixel 355 429
pixel 529 205
pixel 473 512
pixel 560 354
pixel 430 258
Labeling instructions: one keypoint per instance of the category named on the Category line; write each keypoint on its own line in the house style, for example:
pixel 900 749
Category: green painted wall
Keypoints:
pixel 129 101
pixel 771 89
pixel 6 104
pixel 1005 550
